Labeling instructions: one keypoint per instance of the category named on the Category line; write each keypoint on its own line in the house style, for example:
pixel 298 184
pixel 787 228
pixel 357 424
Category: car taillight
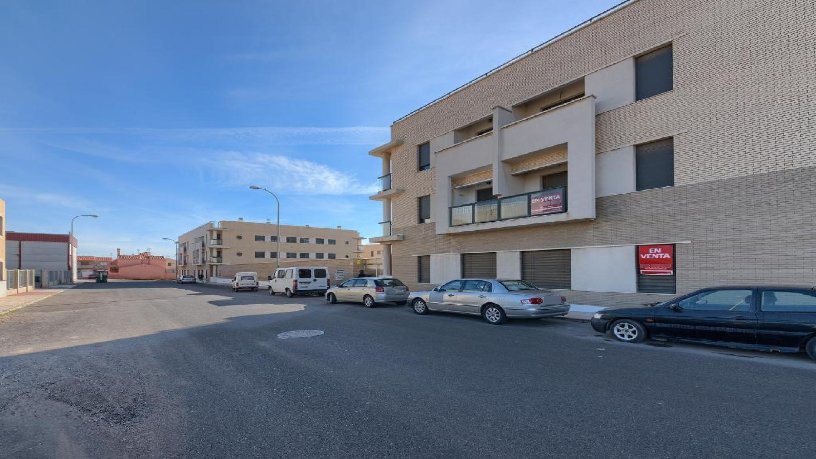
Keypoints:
pixel 294 284
pixel 535 300
pixel 379 290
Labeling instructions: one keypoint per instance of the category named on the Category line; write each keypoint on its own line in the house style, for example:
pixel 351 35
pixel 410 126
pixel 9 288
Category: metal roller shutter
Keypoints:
pixel 547 268
pixel 479 265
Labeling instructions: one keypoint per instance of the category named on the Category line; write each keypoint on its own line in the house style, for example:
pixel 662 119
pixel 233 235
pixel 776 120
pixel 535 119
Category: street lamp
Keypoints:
pixel 70 251
pixel 277 201
pixel 177 253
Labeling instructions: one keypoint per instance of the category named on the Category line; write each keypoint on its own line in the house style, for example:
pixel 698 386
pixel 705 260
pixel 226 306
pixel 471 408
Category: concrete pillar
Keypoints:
pixel 386 252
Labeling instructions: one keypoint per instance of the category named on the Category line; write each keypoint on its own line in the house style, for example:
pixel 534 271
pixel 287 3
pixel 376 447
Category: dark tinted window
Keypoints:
pixel 788 301
pixel 517 285
pixel 260 238
pixel 319 240
pixel 304 240
pixel 654 164
pixel 291 239
pixel 551 181
pixel 332 256
pixel 653 73
pixel 424 208
pixel 260 254
pixel 485 194
pixel 719 300
pixel 280 274
pixel 304 255
pixel 273 238
pixel 360 283
pixel 319 273
pixel 304 273
pixel 332 242
pixel 476 286
pixel 424 156
pixel 291 255
pixel 451 286
pixel 388 283
pixel 273 254
pixel 320 255
pixel 424 269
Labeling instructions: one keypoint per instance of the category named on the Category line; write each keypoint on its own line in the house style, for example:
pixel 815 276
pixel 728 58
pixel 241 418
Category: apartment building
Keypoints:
pixel 220 249
pixel 3 267
pixel 660 147
pixel 370 259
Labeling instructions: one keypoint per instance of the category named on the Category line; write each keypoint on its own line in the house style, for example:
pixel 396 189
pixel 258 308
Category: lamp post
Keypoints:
pixel 71 261
pixel 177 254
pixel 277 201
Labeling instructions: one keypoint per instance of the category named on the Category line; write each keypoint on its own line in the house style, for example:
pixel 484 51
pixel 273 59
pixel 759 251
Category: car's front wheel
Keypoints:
pixel 494 315
pixel 810 347
pixel 368 301
pixel 628 331
pixel 331 298
pixel 419 306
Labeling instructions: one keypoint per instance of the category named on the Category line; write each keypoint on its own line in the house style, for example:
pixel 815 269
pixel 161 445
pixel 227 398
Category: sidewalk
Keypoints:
pixel 21 300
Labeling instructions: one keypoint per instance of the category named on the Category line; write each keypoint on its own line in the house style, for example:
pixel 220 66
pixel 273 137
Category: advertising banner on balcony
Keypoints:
pixel 656 260
pixel 547 202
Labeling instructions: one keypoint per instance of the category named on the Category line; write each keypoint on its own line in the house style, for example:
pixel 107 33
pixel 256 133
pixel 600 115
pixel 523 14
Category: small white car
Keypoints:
pixel 186 279
pixel 245 281
pixel 298 281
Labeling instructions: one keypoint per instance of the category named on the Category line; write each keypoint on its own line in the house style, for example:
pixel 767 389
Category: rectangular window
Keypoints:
pixel 424 269
pixel 424 209
pixel 291 255
pixel 485 194
pixel 260 254
pixel 558 180
pixel 332 256
pixel 788 301
pixel 273 254
pixel 304 240
pixel 332 242
pixel 273 239
pixel 304 255
pixel 320 273
pixel 424 156
pixel 320 255
pixel 320 240
pixel 291 240
pixel 304 273
pixel 260 238
pixel 653 73
pixel 654 164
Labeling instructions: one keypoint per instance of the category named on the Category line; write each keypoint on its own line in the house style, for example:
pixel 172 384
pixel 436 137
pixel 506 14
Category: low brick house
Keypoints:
pixel 142 266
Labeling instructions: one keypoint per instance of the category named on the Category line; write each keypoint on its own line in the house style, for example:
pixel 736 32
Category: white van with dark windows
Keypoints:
pixel 300 281
pixel 245 281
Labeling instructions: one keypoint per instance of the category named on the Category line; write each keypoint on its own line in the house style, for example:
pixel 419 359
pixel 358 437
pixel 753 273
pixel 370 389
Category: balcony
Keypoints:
pixel 535 204
pixel 387 235
pixel 216 260
pixel 384 182
pixel 385 189
pixel 215 242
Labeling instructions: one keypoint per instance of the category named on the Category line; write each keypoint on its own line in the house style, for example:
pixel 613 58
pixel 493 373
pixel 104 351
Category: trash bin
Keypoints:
pixel 102 276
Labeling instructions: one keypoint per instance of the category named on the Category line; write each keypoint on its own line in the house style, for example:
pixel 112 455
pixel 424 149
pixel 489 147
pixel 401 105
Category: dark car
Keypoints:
pixel 771 318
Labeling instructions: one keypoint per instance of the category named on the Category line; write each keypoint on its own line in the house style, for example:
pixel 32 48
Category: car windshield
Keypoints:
pixel 388 283
pixel 518 285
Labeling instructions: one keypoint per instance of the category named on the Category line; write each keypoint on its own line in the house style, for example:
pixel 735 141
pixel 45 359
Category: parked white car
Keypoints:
pixel 245 281
pixel 298 281
pixel 494 300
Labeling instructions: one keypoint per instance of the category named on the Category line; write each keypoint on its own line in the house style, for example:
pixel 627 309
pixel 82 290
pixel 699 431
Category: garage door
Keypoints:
pixel 479 265
pixel 547 268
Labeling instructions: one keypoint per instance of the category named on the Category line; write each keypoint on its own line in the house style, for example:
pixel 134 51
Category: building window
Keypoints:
pixel 424 209
pixel 372 253
pixel 551 181
pixel 239 254
pixel 260 238
pixel 654 165
pixel 320 255
pixel 485 194
pixel 424 156
pixel 320 240
pixel 332 256
pixel 291 255
pixel 260 254
pixel 304 240
pixel 273 254
pixel 424 269
pixel 653 73
pixel 273 239
pixel 291 240
pixel 304 255
pixel 332 242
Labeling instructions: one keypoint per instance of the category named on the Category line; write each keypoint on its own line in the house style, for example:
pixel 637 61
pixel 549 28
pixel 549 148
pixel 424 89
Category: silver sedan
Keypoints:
pixel 494 300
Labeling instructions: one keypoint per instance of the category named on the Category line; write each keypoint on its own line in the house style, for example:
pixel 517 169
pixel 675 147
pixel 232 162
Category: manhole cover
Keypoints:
pixel 299 334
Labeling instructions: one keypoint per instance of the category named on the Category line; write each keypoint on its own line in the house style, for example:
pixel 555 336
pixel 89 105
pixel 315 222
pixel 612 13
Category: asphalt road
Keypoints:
pixel 153 369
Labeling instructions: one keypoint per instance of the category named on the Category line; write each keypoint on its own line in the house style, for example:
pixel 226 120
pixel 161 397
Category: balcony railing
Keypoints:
pixel 216 260
pixel 216 242
pixel 385 182
pixel 385 228
pixel 544 202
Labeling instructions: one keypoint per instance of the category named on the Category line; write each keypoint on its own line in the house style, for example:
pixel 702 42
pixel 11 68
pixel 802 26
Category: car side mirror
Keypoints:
pixel 435 289
pixel 675 307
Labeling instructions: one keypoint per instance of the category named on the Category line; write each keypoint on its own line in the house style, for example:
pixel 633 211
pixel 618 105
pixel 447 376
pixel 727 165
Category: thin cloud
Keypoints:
pixel 50 199
pixel 285 174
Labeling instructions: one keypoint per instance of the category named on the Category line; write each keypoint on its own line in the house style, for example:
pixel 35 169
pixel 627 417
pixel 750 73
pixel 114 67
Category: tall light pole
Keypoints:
pixel 277 201
pixel 71 260
pixel 177 254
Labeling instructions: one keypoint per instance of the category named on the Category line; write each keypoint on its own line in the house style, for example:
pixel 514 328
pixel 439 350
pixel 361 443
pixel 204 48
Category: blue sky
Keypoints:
pixel 158 115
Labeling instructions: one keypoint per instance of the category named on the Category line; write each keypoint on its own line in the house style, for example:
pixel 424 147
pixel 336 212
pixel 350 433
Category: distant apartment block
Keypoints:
pixel 220 249
pixel 661 147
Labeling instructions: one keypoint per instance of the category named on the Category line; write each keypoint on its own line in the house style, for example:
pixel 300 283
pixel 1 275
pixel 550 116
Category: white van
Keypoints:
pixel 294 281
pixel 245 281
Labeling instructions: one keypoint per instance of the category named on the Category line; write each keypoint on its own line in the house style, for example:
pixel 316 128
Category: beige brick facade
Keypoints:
pixel 741 113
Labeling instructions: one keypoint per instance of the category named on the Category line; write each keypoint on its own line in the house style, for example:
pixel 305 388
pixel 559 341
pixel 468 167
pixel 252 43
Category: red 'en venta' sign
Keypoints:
pixel 656 260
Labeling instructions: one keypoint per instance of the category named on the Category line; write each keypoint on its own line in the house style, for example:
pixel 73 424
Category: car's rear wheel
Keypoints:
pixel 271 292
pixel 419 306
pixel 810 348
pixel 368 301
pixel 628 331
pixel 493 314
pixel 331 298
pixel 289 293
